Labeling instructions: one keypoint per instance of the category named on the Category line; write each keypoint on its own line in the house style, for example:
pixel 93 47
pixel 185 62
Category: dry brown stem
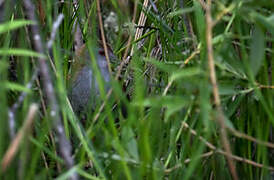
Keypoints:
pixel 54 113
pixel 214 148
pixel 188 160
pixel 141 23
pixel 103 34
pixel 14 146
pixel 119 68
pixel 220 116
pixel 197 51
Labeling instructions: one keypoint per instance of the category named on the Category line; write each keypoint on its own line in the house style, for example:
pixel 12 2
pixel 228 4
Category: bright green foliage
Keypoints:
pixel 149 140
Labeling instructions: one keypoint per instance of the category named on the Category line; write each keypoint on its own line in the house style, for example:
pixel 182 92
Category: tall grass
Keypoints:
pixel 161 120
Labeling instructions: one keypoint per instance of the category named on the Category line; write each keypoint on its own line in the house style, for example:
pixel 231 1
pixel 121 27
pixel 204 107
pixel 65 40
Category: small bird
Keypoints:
pixel 84 89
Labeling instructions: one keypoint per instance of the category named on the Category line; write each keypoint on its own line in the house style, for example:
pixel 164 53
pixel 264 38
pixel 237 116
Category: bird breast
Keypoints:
pixel 85 90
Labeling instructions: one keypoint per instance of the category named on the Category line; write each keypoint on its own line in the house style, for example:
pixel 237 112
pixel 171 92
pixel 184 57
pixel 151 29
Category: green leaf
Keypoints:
pixel 162 101
pixel 46 150
pixel 161 65
pixel 3 66
pixel 180 12
pixel 11 25
pixel 173 109
pixel 227 89
pixel 159 21
pixel 257 50
pixel 228 123
pixel 267 22
pixel 199 19
pixel 172 103
pixel 128 138
pixel 16 87
pixel 234 105
pixel 186 72
pixel 20 52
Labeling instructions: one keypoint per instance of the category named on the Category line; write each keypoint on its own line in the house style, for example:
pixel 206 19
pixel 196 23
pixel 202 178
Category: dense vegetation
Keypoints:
pixel 191 98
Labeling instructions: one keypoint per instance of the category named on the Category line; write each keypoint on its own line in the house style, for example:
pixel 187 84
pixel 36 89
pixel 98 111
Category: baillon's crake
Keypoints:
pixel 84 89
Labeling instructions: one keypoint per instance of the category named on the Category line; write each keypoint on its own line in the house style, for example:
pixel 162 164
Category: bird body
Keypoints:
pixel 84 88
